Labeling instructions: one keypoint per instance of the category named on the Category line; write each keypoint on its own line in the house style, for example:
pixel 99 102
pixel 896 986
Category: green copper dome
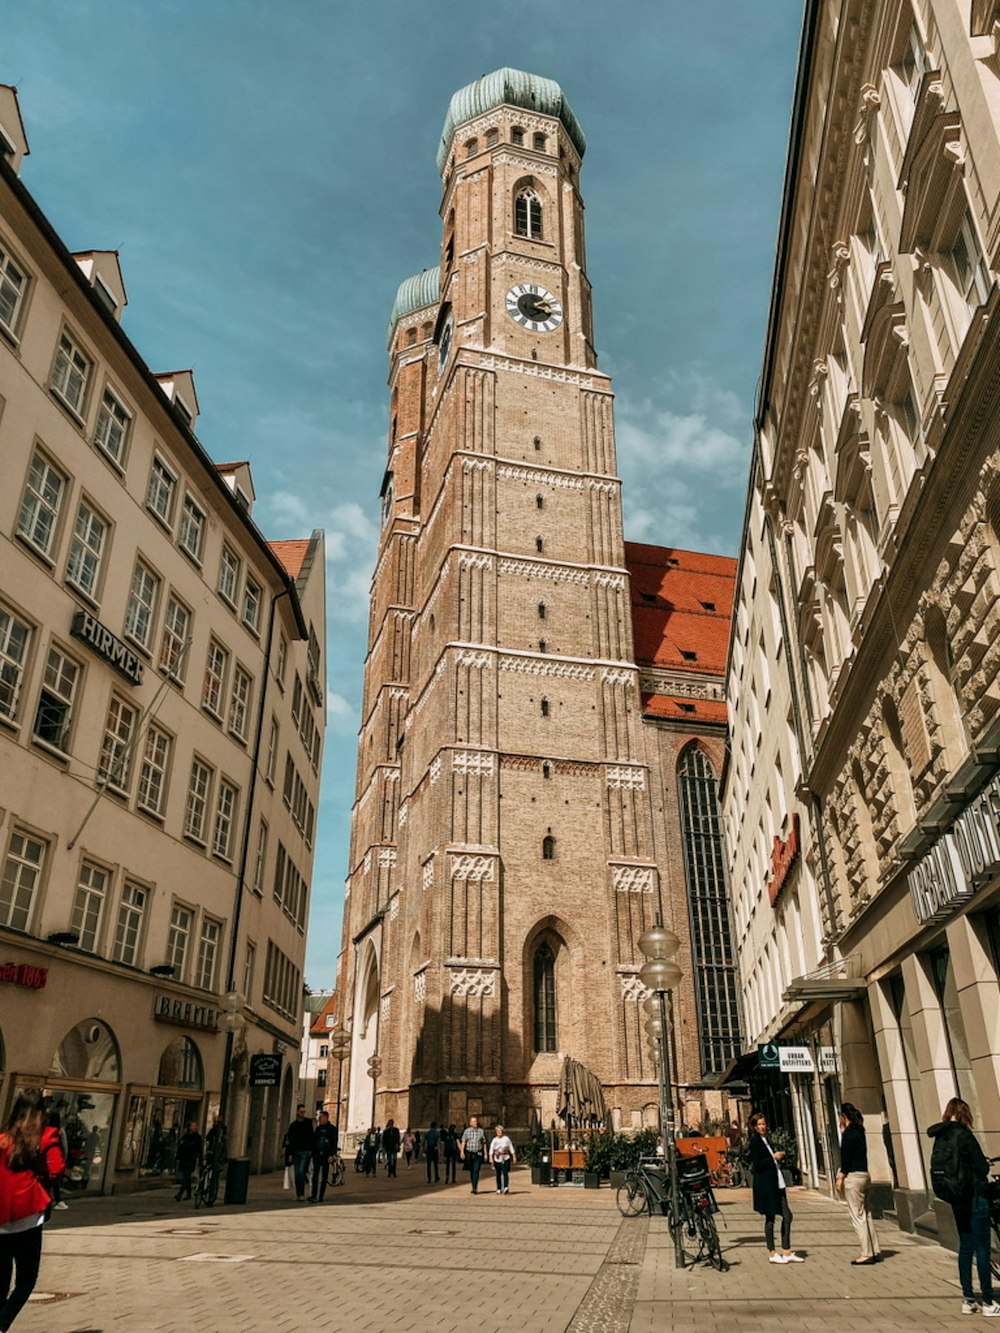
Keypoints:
pixel 424 288
pixel 515 88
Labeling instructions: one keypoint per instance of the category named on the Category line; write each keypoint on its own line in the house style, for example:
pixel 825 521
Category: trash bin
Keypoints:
pixel 237 1180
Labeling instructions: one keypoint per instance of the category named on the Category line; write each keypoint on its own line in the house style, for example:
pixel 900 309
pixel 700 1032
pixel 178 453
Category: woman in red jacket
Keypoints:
pixel 30 1156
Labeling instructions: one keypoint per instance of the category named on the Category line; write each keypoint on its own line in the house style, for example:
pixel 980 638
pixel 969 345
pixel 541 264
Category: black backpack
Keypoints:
pixel 951 1176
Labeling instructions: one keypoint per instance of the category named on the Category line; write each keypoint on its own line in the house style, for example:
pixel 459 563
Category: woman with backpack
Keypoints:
pixel 30 1158
pixel 854 1182
pixel 959 1171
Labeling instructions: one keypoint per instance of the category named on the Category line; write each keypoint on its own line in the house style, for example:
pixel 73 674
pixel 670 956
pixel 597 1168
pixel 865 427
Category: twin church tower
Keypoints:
pixel 511 832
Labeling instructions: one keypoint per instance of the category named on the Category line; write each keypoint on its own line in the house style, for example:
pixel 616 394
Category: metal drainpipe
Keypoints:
pixel 245 846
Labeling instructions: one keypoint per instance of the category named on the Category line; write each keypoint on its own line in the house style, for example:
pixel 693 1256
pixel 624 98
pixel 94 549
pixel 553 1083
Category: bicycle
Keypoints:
pixel 207 1189
pixel 338 1171
pixel 731 1173
pixel 647 1186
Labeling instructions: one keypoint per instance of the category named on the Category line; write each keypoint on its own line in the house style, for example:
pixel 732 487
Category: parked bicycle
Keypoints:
pixel 647 1189
pixel 731 1173
pixel 338 1171
pixel 206 1191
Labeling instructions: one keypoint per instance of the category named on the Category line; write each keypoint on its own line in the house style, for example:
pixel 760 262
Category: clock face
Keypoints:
pixel 534 308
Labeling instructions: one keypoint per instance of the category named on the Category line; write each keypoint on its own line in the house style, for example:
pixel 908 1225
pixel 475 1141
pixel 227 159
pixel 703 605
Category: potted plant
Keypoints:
pixel 596 1158
pixel 535 1154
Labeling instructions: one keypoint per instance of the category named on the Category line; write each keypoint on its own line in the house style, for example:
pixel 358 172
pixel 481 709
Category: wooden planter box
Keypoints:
pixel 567 1159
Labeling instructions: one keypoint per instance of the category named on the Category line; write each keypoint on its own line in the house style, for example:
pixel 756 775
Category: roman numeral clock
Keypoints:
pixel 534 308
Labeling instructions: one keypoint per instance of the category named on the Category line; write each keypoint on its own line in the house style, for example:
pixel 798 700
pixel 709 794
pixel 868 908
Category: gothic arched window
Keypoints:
pixel 528 215
pixel 548 848
pixel 545 998
pixel 715 982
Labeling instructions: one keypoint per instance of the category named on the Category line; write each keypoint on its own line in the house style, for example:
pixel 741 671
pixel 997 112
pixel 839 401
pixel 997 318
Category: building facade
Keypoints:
pixel 508 836
pixel 872 566
pixel 162 706
pixel 318 1021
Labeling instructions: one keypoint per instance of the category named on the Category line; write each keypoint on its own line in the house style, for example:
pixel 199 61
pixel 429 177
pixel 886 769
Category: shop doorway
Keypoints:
pixel 176 1100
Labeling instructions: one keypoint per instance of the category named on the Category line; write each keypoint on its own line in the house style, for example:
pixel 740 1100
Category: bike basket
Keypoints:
pixel 693 1171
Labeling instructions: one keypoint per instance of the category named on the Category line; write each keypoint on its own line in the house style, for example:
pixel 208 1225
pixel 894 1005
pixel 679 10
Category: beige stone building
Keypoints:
pixel 865 651
pixel 162 707
pixel 510 835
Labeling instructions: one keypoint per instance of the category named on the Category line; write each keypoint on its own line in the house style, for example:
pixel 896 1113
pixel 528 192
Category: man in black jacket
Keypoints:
pixel 324 1147
pixel 390 1145
pixel 298 1149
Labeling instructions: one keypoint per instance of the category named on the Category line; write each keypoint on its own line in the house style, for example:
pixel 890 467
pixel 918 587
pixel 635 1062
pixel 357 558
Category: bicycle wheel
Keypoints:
pixel 709 1239
pixel 631 1197
pixel 199 1191
pixel 339 1172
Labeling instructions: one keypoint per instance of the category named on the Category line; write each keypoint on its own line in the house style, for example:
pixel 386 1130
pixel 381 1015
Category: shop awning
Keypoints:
pixel 738 1070
pixel 826 990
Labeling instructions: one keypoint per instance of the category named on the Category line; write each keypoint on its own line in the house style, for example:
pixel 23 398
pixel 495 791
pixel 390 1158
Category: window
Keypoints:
pixel 141 604
pixel 528 215
pixel 196 811
pixel 192 528
pixel 239 708
pixel 175 640
pixel 225 820
pixel 14 638
pixel 161 490
pixel 55 702
pixel 545 707
pixel 539 502
pixel 548 848
pixel 152 792
pixel 253 600
pixel 541 610
pixel 539 543
pixel 113 422
pixel 545 998
pixel 248 969
pixel 13 285
pixel 471 147
pixel 179 939
pixel 70 374
pixel 491 138
pixel 539 143
pixel 714 963
pixel 542 646
pixel 43 493
pixel 546 770
pixel 128 927
pixel 22 871
pixel 272 751
pixel 208 953
pixel 86 550
pixel 913 64
pixel 216 668
pixel 88 905
pixel 229 576
pixel 260 860
pixel 517 136
pixel 968 265
pixel 282 983
pixel 116 748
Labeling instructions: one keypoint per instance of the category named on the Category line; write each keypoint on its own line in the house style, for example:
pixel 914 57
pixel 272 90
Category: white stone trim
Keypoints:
pixel 543 569
pixel 633 879
pixel 538 478
pixel 472 761
pixel 626 779
pixel 529 666
pixel 472 982
pixel 632 987
pixel 386 857
pixel 427 871
pixel 467 867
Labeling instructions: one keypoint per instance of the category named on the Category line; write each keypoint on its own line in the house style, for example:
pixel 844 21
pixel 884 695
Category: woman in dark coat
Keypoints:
pixel 770 1198
pixel 854 1182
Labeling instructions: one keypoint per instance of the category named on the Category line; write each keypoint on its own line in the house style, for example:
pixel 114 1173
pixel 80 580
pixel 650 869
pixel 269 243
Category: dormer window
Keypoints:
pixel 187 416
pixel 107 296
pixel 528 215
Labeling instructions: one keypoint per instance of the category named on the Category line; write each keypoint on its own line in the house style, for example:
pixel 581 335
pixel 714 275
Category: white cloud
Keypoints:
pixel 341 714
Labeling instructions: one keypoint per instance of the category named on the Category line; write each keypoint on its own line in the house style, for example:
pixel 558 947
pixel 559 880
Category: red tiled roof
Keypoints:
pixel 231 467
pixel 683 710
pixel 318 1027
pixel 682 606
pixel 291 555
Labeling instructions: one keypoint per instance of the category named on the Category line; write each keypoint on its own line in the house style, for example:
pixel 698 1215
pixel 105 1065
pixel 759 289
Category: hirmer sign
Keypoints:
pixel 107 645
pixel 961 860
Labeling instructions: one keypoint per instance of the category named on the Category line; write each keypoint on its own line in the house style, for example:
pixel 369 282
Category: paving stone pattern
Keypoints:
pixel 394 1255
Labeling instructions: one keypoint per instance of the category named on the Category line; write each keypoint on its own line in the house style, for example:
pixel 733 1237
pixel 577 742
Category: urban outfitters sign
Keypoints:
pixel 961 860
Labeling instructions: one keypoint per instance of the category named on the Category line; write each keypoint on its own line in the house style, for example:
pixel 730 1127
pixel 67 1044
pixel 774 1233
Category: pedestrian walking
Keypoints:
pixel 449 1149
pixel 959 1172
pixel 473 1149
pixel 324 1147
pixel 409 1143
pixel 390 1145
pixel 298 1147
pixel 56 1181
pixel 770 1196
pixel 189 1150
pixel 854 1182
pixel 417 1145
pixel 369 1153
pixel 379 1157
pixel 501 1155
pixel 30 1156
pixel 431 1140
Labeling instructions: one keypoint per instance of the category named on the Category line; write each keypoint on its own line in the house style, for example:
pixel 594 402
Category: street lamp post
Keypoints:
pixel 660 974
pixel 340 1044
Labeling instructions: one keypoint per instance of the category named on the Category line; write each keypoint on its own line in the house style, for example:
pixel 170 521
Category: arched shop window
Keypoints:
pixel 180 1065
pixel 88 1052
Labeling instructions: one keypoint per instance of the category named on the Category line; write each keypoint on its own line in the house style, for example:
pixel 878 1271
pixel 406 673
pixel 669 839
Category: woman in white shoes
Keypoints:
pixel 770 1197
pixel 501 1155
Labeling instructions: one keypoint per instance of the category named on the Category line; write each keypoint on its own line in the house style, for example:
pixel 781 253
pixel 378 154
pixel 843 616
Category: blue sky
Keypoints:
pixel 266 171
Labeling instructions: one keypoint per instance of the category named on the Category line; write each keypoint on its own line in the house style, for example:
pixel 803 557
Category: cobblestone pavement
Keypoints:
pixel 396 1255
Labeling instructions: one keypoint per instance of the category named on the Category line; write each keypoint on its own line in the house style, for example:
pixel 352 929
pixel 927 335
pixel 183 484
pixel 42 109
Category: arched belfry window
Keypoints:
pixel 545 997
pixel 528 215
pixel 715 982
pixel 548 848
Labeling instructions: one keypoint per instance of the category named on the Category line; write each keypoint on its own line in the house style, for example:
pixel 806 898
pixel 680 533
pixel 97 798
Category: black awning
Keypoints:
pixel 738 1070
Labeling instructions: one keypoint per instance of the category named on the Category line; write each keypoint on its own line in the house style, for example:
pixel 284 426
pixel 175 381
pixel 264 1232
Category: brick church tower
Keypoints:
pixel 503 857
